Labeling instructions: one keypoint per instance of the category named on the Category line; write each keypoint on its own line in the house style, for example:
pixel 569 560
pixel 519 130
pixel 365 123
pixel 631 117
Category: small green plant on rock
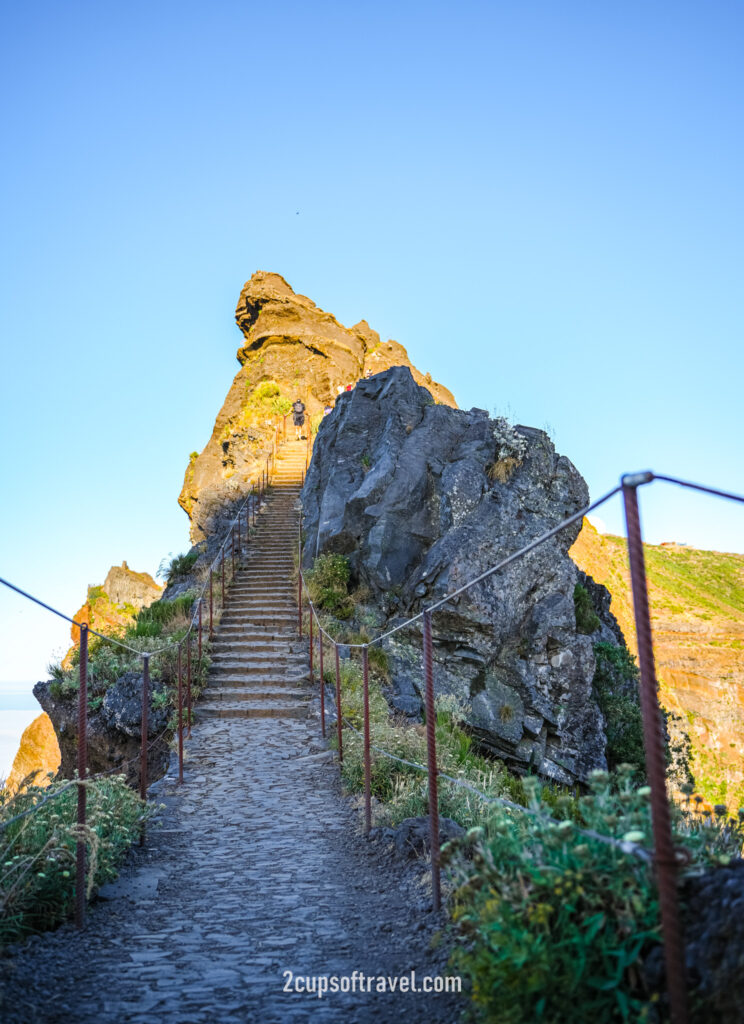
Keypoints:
pixel 180 566
pixel 511 449
pixel 328 583
pixel 587 620
pixel 616 687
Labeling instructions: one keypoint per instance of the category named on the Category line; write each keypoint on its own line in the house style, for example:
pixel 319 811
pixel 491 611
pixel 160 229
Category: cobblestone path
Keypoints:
pixel 258 869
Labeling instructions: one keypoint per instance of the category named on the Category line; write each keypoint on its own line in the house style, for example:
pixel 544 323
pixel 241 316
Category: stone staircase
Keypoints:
pixel 259 666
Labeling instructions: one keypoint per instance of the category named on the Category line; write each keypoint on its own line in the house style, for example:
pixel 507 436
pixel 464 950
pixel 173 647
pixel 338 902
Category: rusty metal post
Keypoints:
pixel 211 603
pixel 240 540
pixel 188 686
pixel 223 581
pixel 311 643
pixel 299 605
pixel 232 545
pixel 145 724
pixel 367 760
pixel 431 752
pixel 653 742
pixel 253 504
pixel 338 710
pixel 82 767
pixel 200 629
pixel 180 717
pixel 322 683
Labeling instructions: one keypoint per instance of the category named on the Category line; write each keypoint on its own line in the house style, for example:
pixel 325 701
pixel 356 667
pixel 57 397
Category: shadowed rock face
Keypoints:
pixel 114 730
pixel 400 485
pixel 305 352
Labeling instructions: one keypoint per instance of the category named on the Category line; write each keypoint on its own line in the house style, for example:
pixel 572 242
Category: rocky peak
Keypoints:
pixel 291 348
pixel 124 586
pixel 112 607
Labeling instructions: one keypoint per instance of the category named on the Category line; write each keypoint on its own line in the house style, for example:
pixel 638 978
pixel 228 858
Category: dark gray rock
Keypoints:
pixel 113 730
pixel 401 486
pixel 609 631
pixel 412 838
pixel 122 707
pixel 713 919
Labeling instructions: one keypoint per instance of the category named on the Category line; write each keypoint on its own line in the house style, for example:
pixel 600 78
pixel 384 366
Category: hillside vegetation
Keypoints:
pixel 697 612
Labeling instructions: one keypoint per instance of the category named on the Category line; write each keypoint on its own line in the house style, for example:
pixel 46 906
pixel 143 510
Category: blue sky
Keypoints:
pixel 541 201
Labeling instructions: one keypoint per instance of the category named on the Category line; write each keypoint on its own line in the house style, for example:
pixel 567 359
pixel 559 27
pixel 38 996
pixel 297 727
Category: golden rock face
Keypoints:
pixel 110 608
pixel 291 349
pixel 697 617
pixel 38 752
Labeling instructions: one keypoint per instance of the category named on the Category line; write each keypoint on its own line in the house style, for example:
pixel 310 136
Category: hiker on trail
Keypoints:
pixel 298 416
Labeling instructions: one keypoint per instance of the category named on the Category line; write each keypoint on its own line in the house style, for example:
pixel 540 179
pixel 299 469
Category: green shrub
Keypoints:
pixel 556 924
pixel 152 621
pixel 269 397
pixel 181 566
pixel 328 584
pixel 616 687
pixel 37 853
pixel 587 620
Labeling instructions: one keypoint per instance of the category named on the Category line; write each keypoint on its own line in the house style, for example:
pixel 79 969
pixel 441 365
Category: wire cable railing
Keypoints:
pixel 664 856
pixel 193 637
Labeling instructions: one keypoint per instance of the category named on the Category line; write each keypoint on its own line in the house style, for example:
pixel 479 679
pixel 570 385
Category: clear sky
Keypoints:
pixel 542 201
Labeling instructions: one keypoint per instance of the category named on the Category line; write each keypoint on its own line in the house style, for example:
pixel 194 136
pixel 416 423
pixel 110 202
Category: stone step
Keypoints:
pixel 245 633
pixel 223 709
pixel 239 647
pixel 286 625
pixel 268 680
pixel 252 658
pixel 274 670
pixel 258 693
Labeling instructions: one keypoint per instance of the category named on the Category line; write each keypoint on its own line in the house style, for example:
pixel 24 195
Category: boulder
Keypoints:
pixel 713 921
pixel 114 728
pixel 412 838
pixel 423 498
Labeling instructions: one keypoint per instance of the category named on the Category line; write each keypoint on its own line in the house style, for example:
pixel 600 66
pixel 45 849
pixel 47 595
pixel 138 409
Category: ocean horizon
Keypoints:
pixel 18 709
